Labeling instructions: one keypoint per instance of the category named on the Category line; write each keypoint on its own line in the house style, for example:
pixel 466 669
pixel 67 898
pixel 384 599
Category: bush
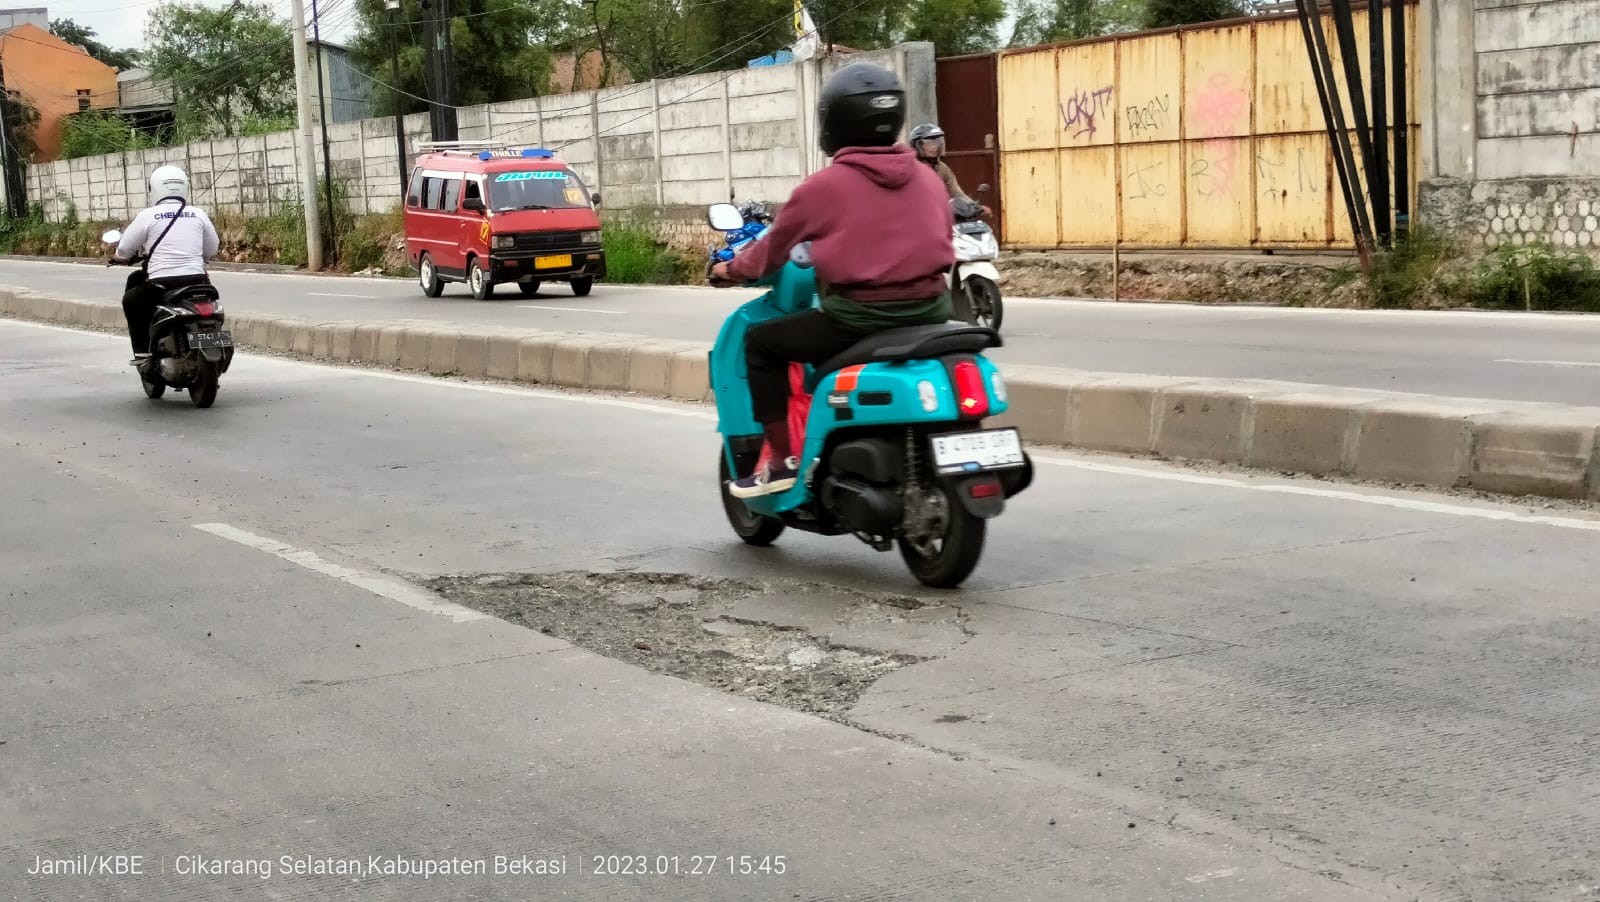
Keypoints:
pixel 1536 277
pixel 634 256
pixel 1414 273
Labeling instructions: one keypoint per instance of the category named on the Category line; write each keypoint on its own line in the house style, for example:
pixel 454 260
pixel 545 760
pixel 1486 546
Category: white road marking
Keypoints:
pixel 324 294
pixel 1155 471
pixel 1401 502
pixel 571 309
pixel 1559 363
pixel 1212 875
pixel 389 587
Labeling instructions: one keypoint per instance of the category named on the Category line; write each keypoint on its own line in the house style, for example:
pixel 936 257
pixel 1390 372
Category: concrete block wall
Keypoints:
pixel 1512 123
pixel 670 144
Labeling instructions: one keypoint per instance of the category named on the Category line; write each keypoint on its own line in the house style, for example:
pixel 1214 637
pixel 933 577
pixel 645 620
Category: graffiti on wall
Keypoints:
pixel 1082 110
pixel 1150 119
pixel 1282 177
pixel 1220 108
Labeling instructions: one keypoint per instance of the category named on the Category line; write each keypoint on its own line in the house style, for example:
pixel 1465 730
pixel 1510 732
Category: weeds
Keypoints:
pixel 1536 277
pixel 634 256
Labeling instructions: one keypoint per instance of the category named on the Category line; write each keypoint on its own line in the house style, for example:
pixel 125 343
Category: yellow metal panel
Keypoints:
pixel 1286 91
pixel 1343 236
pixel 1088 94
pixel 1220 176
pixel 1030 117
pixel 1089 196
pixel 1292 193
pixel 1031 188
pixel 1149 95
pixel 1152 194
pixel 1217 82
pixel 1364 55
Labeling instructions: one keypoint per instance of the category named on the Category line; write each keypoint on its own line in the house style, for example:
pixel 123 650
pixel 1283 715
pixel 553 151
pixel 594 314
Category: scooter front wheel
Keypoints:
pixel 984 307
pixel 748 525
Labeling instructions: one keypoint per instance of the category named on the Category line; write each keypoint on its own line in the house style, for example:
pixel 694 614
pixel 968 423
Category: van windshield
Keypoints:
pixel 559 189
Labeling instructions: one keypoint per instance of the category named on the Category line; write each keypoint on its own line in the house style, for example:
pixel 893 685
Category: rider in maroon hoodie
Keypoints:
pixel 879 225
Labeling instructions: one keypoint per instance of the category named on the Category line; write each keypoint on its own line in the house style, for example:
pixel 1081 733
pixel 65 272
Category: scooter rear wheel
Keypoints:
pixel 748 525
pixel 944 561
pixel 204 392
pixel 153 388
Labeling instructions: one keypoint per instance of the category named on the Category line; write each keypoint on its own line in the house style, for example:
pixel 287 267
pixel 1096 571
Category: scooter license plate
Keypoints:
pixel 972 228
pixel 202 340
pixel 563 261
pixel 971 452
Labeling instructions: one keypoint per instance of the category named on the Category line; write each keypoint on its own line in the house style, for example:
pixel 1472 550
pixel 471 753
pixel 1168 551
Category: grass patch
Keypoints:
pixel 635 256
pixel 1414 273
pixel 1536 277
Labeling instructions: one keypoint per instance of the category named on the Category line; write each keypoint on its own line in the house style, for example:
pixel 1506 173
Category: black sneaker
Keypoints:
pixel 767 481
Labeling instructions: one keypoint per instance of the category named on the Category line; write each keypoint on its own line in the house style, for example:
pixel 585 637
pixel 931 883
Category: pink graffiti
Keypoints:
pixel 1082 108
pixel 1220 108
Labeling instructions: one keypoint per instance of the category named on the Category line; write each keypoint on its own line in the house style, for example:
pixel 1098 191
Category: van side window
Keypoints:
pixel 474 189
pixel 452 195
pixel 435 190
pixel 414 196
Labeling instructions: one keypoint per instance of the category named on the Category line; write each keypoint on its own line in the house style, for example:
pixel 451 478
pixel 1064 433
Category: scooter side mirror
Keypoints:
pixel 111 236
pixel 725 217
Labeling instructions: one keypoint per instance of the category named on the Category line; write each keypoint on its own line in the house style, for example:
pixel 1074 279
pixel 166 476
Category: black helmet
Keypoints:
pixel 862 105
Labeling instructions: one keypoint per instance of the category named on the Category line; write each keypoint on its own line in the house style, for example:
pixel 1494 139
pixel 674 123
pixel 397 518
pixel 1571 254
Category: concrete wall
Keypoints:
pixel 678 143
pixel 1514 120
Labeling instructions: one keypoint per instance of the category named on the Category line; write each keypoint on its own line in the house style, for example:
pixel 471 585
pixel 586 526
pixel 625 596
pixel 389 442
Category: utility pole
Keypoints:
pixel 327 149
pixel 308 148
pixel 16 188
pixel 399 117
pixel 441 98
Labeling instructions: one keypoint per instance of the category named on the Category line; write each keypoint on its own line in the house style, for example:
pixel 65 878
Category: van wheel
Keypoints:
pixel 432 285
pixel 581 287
pixel 529 288
pixel 482 286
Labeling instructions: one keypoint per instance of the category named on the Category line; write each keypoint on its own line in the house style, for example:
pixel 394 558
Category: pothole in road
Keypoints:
pixel 809 646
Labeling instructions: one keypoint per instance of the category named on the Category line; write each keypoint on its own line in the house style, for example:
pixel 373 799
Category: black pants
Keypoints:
pixel 809 337
pixel 140 300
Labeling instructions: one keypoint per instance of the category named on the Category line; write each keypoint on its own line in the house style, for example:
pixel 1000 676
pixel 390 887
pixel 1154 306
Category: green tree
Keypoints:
pixel 225 65
pixel 1168 13
pixel 84 36
pixel 1049 21
pixel 957 27
pixel 499 48
pixel 93 133
pixel 725 34
pixel 22 118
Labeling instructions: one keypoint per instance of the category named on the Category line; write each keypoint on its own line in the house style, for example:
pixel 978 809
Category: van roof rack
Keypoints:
pixel 483 150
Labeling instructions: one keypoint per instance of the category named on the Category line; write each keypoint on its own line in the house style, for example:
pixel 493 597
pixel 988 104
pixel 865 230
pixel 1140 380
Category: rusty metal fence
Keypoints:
pixel 1199 137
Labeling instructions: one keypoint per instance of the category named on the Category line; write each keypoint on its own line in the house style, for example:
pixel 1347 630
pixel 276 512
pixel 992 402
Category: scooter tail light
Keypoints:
pixel 971 397
pixel 205 309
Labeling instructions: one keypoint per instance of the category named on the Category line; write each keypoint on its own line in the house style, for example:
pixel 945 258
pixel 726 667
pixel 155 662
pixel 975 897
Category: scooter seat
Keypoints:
pixel 200 292
pixel 909 343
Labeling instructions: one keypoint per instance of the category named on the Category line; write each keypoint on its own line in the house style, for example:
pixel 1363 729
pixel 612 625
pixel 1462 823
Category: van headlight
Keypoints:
pixel 591 237
pixel 504 242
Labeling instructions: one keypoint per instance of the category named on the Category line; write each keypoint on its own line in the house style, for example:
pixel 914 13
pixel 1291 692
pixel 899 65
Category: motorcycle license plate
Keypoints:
pixel 562 262
pixel 972 228
pixel 203 340
pixel 972 452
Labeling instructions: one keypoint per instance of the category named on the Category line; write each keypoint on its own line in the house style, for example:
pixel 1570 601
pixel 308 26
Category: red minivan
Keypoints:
pixel 483 216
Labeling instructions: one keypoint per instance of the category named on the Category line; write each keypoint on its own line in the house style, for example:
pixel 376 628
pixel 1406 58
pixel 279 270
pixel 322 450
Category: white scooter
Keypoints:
pixel 974 280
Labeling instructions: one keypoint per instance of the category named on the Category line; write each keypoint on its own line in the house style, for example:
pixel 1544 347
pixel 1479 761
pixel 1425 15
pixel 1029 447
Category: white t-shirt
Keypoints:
pixel 192 240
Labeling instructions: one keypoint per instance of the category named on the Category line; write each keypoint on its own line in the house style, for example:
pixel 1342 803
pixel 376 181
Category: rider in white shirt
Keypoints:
pixel 179 257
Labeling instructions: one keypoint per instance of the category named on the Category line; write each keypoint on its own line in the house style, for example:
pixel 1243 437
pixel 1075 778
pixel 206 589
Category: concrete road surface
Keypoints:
pixel 1162 683
pixel 1506 356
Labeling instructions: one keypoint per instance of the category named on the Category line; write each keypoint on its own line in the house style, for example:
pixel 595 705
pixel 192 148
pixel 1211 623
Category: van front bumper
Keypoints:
pixel 514 266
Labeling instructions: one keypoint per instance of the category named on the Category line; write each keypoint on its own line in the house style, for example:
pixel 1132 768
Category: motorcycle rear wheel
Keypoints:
pixel 953 554
pixel 204 392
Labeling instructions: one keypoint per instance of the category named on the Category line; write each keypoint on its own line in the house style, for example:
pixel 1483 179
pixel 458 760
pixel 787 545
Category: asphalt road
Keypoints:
pixel 1518 357
pixel 1166 684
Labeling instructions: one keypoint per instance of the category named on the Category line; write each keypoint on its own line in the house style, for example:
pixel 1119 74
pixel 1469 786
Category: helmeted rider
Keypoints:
pixel 928 141
pixel 178 261
pixel 879 225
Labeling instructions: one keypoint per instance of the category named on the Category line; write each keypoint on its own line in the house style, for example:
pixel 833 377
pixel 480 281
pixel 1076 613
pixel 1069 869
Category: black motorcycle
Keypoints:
pixel 189 349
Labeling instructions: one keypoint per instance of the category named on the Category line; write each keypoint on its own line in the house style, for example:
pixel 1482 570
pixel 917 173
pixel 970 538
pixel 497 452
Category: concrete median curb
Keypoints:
pixel 1547 450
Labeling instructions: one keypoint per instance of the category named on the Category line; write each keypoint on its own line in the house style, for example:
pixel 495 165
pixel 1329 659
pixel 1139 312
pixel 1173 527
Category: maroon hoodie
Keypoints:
pixel 879 222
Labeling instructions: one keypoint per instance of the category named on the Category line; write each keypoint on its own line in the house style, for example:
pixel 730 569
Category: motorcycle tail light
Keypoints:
pixel 971 397
pixel 205 309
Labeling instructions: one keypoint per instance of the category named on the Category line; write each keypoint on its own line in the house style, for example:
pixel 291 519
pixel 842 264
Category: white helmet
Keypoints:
pixel 168 181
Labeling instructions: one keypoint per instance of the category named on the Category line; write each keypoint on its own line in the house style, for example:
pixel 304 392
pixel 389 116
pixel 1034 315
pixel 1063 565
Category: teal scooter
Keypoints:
pixel 890 432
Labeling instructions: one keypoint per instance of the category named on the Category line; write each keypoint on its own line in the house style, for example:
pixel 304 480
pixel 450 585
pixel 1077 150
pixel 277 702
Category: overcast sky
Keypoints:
pixel 123 24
